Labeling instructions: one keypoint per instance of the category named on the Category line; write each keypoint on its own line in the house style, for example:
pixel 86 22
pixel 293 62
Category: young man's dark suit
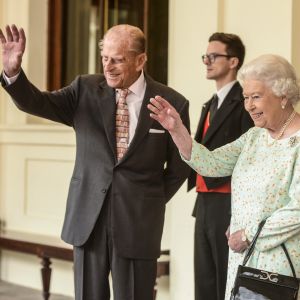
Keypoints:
pixel 212 210
pixel 129 195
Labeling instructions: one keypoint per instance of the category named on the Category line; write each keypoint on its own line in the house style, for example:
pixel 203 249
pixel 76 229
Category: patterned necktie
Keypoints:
pixel 213 107
pixel 122 124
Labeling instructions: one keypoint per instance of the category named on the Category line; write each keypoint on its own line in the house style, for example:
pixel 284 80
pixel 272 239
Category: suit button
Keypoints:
pixel 104 191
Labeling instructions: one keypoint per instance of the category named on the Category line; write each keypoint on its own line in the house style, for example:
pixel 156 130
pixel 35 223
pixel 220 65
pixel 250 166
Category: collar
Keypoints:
pixel 222 93
pixel 138 87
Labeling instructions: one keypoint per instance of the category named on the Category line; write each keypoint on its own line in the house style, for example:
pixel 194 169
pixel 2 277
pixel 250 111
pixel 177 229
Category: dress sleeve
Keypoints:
pixel 284 223
pixel 219 162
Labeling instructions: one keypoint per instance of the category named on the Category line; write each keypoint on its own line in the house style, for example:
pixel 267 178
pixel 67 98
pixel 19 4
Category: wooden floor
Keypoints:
pixel 10 291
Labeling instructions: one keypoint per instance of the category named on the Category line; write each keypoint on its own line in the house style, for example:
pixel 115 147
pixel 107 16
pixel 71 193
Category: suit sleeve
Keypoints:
pixel 58 106
pixel 176 170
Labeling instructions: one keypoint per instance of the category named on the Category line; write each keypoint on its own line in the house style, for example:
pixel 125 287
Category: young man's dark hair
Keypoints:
pixel 234 45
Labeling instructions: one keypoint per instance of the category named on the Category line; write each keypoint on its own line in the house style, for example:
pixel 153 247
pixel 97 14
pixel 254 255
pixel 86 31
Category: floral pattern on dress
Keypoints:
pixel 265 184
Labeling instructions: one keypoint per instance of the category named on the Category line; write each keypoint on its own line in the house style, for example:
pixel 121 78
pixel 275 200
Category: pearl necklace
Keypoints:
pixel 283 128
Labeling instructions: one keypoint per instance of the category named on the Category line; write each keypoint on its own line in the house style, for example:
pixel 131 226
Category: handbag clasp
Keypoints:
pixel 273 277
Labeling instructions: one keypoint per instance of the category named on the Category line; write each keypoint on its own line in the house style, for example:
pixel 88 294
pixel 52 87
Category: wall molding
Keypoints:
pixel 42 135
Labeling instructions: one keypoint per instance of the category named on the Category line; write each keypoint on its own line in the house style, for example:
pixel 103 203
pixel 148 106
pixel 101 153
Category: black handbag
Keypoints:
pixel 255 284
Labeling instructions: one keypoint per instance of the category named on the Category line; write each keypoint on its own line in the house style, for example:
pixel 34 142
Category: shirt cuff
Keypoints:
pixel 10 80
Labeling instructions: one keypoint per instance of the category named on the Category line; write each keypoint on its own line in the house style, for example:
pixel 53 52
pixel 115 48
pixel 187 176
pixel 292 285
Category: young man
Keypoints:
pixel 127 166
pixel 223 119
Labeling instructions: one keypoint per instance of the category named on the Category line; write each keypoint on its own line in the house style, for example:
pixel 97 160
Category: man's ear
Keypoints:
pixel 141 59
pixel 234 61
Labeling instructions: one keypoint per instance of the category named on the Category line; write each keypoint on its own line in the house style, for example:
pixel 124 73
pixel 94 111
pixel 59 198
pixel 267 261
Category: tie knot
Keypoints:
pixel 122 94
pixel 215 98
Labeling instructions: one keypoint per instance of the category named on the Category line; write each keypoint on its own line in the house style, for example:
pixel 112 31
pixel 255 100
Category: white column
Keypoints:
pixel 32 16
pixel 295 39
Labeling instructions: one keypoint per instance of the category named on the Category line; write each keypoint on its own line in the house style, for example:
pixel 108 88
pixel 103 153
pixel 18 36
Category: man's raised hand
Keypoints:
pixel 13 47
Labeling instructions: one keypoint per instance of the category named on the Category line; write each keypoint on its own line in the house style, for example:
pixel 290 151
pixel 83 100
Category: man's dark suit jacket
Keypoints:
pixel 139 185
pixel 230 121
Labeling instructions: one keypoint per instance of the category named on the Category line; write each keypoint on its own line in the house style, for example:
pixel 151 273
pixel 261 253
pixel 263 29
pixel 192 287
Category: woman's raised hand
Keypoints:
pixel 164 113
pixel 13 47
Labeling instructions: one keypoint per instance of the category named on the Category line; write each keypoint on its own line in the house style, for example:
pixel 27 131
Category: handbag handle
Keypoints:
pixel 252 246
pixel 253 242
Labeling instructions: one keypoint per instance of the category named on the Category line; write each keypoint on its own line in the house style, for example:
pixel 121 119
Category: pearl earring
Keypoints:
pixel 282 106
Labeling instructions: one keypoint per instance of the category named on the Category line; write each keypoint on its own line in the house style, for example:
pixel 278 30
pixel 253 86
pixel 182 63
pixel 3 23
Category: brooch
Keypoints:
pixel 293 141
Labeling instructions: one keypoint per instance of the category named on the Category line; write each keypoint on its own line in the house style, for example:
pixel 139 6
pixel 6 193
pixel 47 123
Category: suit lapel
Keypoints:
pixel 107 106
pixel 228 105
pixel 204 112
pixel 144 121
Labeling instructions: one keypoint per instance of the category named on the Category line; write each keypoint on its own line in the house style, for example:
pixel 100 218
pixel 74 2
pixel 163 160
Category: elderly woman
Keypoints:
pixel 264 164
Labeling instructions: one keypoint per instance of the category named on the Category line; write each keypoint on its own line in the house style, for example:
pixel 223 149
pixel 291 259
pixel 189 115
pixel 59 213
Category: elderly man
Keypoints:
pixel 127 166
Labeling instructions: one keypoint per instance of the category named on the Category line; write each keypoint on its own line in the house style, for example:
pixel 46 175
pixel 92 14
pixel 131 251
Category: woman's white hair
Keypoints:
pixel 274 71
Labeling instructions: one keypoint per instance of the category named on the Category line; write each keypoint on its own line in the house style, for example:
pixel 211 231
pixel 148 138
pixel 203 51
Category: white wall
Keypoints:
pixel 36 161
pixel 32 197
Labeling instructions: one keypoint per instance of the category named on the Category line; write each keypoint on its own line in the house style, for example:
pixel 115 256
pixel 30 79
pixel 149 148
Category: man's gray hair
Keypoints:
pixel 131 35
